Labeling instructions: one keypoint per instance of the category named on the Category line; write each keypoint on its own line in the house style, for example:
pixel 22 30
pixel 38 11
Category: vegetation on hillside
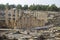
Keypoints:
pixel 53 7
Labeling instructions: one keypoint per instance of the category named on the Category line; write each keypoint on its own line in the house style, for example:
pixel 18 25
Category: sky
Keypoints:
pixel 30 2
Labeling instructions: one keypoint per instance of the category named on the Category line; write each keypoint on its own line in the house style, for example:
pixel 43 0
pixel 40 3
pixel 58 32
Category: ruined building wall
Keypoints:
pixel 21 18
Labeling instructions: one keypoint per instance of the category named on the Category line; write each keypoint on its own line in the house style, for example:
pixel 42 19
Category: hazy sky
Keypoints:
pixel 29 2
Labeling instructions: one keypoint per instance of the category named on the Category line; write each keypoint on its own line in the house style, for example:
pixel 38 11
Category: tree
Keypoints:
pixel 7 6
pixel 12 6
pixel 53 7
pixel 38 7
pixel 45 7
pixel 2 7
pixel 32 7
pixel 19 6
pixel 25 7
pixel 59 9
